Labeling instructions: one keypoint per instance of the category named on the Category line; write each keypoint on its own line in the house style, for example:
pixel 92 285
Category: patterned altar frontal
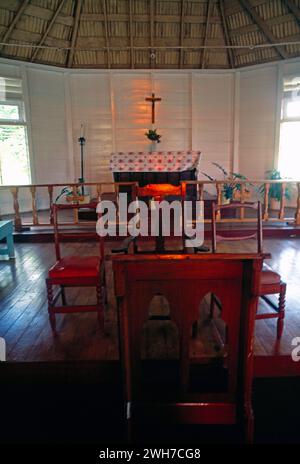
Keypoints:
pixel 169 161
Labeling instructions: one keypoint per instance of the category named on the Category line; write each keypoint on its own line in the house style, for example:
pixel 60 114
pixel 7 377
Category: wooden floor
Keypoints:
pixel 25 327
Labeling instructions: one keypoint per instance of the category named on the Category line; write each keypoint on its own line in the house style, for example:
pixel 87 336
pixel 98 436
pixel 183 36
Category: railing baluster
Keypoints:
pixel 201 192
pixel 297 214
pixel 99 192
pixel 50 193
pixel 266 202
pixel 282 201
pixel 35 218
pixel 75 210
pixel 219 200
pixel 242 210
pixel 18 219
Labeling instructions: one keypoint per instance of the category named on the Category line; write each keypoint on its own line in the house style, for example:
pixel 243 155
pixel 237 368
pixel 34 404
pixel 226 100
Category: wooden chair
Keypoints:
pixel 74 271
pixel 184 280
pixel 271 282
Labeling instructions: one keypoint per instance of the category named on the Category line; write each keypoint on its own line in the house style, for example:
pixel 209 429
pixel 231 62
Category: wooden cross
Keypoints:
pixel 153 100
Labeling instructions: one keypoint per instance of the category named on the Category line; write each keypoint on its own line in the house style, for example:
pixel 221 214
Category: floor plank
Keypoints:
pixel 24 319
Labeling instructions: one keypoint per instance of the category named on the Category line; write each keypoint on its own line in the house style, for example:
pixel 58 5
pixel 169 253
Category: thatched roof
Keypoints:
pixel 150 33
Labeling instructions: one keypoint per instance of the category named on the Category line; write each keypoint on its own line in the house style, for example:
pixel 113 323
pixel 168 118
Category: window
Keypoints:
pixel 14 159
pixel 289 147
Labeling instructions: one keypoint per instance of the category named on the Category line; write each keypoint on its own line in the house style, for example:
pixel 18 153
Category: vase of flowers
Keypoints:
pixel 153 135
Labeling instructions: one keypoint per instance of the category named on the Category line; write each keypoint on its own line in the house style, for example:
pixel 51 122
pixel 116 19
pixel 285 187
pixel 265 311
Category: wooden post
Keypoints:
pixel 297 214
pixel 266 202
pixel 35 218
pixel 50 192
pixel 282 201
pixel 18 220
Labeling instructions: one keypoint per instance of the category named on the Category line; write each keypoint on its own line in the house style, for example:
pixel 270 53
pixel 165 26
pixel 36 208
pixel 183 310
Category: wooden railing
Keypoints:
pixel 259 190
pixel 113 187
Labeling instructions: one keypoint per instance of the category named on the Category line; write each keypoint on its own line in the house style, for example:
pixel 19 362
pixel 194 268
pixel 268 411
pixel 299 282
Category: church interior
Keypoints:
pixel 149 221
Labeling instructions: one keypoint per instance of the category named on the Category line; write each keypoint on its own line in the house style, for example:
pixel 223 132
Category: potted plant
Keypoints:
pixel 231 189
pixel 275 191
pixel 153 135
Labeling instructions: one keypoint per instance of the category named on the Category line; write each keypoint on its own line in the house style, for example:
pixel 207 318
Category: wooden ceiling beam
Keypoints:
pixel 131 35
pixel 293 9
pixel 108 57
pixel 226 34
pixel 12 25
pixel 209 6
pixel 181 53
pixel 74 33
pixel 263 27
pixel 49 27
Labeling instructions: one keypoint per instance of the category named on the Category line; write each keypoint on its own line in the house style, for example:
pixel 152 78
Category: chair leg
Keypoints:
pixel 51 306
pixel 249 427
pixel 63 295
pixel 100 306
pixel 281 310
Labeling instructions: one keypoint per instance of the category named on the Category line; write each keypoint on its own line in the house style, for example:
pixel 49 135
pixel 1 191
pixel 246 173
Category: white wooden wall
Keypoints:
pixel 257 121
pixel 231 116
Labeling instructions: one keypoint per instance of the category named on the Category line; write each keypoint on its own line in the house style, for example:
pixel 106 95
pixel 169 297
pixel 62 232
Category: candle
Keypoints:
pixel 82 129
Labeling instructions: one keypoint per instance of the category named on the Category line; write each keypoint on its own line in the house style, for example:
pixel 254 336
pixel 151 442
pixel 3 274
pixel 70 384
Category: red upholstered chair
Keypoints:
pixel 74 271
pixel 271 282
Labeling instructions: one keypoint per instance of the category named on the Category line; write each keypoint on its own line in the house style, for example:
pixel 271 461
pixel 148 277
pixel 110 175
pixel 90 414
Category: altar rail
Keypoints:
pixel 113 187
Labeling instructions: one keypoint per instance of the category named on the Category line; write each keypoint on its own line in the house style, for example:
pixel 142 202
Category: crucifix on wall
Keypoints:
pixel 153 99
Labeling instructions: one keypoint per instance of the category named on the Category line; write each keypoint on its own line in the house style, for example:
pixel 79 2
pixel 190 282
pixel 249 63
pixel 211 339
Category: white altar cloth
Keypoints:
pixel 158 161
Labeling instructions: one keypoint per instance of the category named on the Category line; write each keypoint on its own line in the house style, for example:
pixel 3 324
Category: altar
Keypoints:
pixel 158 167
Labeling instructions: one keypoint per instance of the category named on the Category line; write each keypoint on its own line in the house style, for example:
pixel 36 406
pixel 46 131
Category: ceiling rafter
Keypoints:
pixel 106 33
pixel 181 54
pixel 207 25
pixel 47 31
pixel 263 27
pixel 74 32
pixel 12 25
pixel 226 34
pixel 131 35
pixel 293 9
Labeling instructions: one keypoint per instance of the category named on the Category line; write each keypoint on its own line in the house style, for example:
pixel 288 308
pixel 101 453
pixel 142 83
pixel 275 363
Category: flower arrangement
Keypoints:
pixel 153 135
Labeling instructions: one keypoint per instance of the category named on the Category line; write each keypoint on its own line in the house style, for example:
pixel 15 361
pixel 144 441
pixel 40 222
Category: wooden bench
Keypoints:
pixel 6 232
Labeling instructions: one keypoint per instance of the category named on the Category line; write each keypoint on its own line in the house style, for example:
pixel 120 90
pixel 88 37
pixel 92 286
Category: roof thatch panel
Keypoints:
pixel 150 33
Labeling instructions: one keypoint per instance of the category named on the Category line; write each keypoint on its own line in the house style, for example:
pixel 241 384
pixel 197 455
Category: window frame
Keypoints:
pixel 21 121
pixel 284 118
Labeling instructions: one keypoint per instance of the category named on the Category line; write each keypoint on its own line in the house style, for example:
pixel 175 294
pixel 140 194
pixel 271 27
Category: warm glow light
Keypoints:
pixel 159 191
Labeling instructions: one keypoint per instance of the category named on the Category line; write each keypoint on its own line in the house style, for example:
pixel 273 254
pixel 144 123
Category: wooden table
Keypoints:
pixel 6 232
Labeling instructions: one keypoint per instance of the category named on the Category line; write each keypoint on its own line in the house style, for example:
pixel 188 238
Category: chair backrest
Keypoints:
pixel 62 231
pixel 237 236
pixel 184 281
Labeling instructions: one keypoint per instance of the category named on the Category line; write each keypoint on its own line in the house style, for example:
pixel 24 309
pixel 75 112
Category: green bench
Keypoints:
pixel 6 232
